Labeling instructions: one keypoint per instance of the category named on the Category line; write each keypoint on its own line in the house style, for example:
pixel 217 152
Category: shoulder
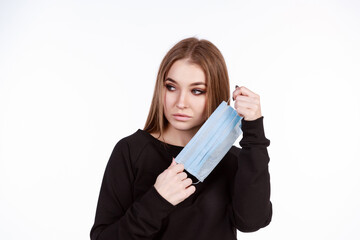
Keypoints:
pixel 139 137
pixel 135 141
pixel 133 145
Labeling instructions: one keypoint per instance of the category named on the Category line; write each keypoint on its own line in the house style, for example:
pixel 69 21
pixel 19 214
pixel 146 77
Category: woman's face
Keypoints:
pixel 185 96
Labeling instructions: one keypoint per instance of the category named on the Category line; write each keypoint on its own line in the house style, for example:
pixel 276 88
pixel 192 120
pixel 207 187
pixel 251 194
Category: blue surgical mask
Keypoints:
pixel 212 141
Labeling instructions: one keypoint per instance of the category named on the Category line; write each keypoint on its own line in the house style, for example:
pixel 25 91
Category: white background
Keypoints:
pixel 77 76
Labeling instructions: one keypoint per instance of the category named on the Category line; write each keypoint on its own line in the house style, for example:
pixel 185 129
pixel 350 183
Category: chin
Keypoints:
pixel 185 126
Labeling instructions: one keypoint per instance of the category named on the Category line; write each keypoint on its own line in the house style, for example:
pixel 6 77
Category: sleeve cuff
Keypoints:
pixel 253 133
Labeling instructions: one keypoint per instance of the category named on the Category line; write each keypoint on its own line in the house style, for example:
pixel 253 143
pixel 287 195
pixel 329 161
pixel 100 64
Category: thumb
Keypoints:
pixel 173 163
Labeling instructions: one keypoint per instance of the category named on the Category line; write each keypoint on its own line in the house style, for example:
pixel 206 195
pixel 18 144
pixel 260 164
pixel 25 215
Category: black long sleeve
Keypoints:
pixel 235 195
pixel 251 200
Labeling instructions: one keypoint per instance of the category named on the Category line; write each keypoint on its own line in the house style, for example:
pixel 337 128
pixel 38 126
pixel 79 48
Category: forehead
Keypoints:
pixel 185 72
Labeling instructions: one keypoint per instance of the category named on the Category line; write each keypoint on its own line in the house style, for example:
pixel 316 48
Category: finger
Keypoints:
pixel 236 93
pixel 246 99
pixel 177 168
pixel 243 104
pixel 247 92
pixel 187 182
pixel 173 163
pixel 190 190
pixel 182 176
pixel 244 92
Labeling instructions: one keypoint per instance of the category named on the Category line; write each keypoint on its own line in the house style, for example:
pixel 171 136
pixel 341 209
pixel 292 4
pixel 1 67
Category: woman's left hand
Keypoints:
pixel 247 103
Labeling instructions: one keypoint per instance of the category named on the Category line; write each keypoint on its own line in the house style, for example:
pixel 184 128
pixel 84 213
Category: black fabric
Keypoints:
pixel 236 195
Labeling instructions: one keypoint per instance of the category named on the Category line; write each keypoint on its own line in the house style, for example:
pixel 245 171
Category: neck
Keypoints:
pixel 178 137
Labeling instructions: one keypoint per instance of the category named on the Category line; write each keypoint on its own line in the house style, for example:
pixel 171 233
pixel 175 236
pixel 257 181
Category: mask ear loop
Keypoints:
pixel 196 182
pixel 228 101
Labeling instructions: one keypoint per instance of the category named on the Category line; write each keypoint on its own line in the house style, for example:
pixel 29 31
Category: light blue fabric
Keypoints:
pixel 212 141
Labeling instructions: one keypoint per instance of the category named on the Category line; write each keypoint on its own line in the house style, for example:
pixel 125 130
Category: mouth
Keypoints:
pixel 181 117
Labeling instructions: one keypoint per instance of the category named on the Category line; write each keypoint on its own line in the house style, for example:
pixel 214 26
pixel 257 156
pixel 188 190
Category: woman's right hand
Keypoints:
pixel 173 184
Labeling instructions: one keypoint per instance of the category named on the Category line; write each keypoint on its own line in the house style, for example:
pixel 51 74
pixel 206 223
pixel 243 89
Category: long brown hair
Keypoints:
pixel 209 58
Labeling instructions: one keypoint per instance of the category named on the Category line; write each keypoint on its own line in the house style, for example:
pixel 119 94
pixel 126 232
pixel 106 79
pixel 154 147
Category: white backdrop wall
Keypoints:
pixel 77 76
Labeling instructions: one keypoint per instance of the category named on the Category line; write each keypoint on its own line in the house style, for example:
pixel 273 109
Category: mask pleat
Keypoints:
pixel 226 120
pixel 190 150
pixel 217 152
pixel 210 144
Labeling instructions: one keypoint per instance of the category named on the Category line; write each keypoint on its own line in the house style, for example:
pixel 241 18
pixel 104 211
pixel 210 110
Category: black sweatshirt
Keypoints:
pixel 236 195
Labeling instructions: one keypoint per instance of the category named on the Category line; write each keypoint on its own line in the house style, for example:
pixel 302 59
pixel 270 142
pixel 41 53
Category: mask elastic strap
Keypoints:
pixel 196 182
pixel 228 101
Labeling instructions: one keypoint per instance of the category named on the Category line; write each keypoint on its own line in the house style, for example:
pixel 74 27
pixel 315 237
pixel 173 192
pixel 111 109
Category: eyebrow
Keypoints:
pixel 192 84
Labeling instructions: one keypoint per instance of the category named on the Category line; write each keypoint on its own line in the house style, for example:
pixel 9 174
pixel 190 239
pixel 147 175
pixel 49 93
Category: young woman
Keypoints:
pixel 146 195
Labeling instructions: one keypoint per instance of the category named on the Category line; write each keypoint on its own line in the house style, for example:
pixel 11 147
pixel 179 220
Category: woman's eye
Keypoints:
pixel 170 87
pixel 198 91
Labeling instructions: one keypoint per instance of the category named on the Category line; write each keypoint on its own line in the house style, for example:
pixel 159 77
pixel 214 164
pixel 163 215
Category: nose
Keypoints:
pixel 182 100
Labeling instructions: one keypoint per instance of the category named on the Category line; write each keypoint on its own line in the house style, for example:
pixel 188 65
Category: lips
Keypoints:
pixel 181 117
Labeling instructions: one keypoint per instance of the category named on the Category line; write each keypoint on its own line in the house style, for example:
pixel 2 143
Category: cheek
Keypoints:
pixel 169 99
pixel 168 102
pixel 201 105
